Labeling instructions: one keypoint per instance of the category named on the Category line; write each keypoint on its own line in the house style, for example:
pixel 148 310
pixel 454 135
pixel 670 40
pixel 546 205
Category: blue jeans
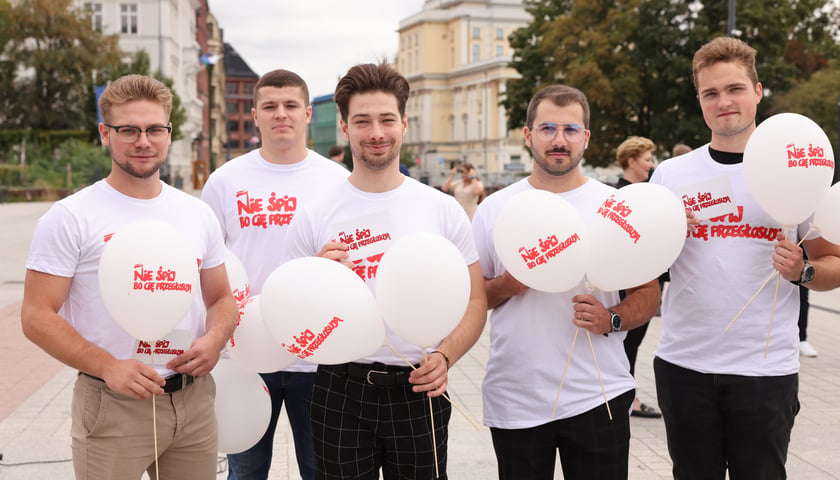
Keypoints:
pixel 717 422
pixel 295 388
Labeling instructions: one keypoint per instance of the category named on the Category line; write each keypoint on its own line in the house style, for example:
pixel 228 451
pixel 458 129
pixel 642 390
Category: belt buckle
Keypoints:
pixel 183 381
pixel 367 377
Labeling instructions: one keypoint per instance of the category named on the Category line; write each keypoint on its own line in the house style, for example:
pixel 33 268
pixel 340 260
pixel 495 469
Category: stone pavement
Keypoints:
pixel 35 393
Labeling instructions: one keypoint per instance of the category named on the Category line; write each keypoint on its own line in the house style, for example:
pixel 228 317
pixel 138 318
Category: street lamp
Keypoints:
pixel 210 60
pixel 730 20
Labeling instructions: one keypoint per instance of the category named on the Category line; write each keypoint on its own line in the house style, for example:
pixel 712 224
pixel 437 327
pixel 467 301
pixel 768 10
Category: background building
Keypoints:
pixel 210 144
pixel 166 30
pixel 325 129
pixel 240 80
pixel 455 54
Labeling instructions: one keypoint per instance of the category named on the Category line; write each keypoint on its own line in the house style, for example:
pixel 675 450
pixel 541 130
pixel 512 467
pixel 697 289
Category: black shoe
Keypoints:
pixel 645 411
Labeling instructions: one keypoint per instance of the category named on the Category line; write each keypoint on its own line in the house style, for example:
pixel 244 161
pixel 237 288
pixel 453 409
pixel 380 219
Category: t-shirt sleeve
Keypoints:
pixel 56 243
pixel 482 234
pixel 211 196
pixel 216 252
pixel 460 231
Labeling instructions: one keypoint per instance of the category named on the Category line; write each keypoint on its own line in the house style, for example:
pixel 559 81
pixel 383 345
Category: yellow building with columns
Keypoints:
pixel 455 54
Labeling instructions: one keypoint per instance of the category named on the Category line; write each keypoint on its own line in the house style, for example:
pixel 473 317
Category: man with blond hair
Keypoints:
pixel 63 311
pixel 729 397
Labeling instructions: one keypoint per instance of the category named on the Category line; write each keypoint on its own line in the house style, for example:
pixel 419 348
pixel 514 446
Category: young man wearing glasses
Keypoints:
pixel 64 313
pixel 532 331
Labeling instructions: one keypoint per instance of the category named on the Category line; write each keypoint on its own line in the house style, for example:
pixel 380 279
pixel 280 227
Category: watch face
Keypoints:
pixel 807 273
pixel 615 320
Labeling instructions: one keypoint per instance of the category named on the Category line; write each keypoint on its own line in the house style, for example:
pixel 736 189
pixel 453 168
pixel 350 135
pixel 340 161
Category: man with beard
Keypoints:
pixel 531 332
pixel 373 414
pixel 64 313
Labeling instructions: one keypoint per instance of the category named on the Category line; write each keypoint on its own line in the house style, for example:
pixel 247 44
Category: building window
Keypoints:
pixel 248 125
pixel 476 32
pixel 476 52
pixel 248 89
pixel 233 126
pixel 95 10
pixel 128 18
pixel 500 33
pixel 466 127
pixel 452 128
pixel 408 41
pixel 417 60
pixel 500 50
pixel 231 88
pixel 416 39
pixel 409 62
pixel 232 107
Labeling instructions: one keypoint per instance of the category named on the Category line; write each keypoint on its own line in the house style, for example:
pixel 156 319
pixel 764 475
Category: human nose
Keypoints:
pixel 143 139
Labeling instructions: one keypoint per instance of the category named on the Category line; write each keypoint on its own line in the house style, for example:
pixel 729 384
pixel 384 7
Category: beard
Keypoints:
pixel 556 169
pixel 135 172
pixel 376 162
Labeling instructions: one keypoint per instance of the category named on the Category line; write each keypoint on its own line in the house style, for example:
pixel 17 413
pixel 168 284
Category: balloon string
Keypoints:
pixel 465 414
pixel 565 369
pixel 772 311
pixel 154 419
pixel 775 272
pixel 598 370
pixel 432 421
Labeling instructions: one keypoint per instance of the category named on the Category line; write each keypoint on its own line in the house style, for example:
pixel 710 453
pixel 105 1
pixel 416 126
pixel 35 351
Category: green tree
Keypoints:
pixel 56 50
pixel 633 60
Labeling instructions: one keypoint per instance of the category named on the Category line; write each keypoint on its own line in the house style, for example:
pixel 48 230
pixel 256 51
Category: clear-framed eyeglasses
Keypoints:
pixel 572 132
pixel 130 133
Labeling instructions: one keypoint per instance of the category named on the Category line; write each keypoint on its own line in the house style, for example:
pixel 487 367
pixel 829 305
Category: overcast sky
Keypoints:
pixel 317 39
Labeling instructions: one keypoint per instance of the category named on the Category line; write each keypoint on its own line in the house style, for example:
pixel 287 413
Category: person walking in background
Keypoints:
pixel 680 149
pixel 635 157
pixel 531 332
pixel 336 154
pixel 63 311
pixel 372 414
pixel 255 197
pixel 729 398
pixel 468 190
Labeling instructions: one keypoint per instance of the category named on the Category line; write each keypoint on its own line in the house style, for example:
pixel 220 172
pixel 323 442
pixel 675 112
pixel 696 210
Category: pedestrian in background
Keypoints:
pixel 635 157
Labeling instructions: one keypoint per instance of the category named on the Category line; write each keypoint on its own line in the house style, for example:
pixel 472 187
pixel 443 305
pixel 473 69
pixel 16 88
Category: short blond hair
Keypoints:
pixel 632 147
pixel 725 49
pixel 131 88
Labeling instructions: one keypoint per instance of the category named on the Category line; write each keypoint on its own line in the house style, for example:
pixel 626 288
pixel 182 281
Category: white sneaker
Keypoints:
pixel 806 350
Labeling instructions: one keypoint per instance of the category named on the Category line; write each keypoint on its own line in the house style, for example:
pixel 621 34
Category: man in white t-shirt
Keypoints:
pixel 64 313
pixel 726 406
pixel 372 414
pixel 256 196
pixel 531 332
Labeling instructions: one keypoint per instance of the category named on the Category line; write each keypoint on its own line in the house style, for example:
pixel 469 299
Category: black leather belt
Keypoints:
pixel 174 383
pixel 377 374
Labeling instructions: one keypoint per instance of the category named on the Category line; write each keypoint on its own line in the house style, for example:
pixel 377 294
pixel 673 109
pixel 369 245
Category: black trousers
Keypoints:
pixel 591 446
pixel 717 422
pixel 359 428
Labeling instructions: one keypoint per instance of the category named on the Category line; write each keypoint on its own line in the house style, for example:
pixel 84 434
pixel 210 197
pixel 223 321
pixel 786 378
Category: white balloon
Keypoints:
pixel 827 215
pixel 788 167
pixel 540 240
pixel 243 406
pixel 238 279
pixel 252 346
pixel 422 287
pixel 320 311
pixel 148 278
pixel 637 233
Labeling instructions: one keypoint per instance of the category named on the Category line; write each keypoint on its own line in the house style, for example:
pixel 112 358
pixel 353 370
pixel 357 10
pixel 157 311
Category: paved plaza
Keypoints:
pixel 35 393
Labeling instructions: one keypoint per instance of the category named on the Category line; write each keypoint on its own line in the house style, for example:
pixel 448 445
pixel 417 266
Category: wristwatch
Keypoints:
pixel 808 273
pixel 615 321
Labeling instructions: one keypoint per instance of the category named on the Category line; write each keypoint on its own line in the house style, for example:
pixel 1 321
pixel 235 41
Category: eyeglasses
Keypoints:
pixel 572 132
pixel 130 134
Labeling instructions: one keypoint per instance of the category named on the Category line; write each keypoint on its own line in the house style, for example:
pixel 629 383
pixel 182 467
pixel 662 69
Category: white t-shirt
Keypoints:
pixel 531 335
pixel 384 217
pixel 721 266
pixel 69 240
pixel 255 201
